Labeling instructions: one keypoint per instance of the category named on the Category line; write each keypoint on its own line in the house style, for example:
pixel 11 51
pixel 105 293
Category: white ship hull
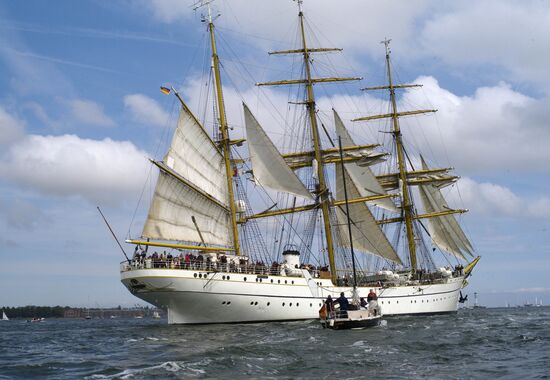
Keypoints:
pixel 194 296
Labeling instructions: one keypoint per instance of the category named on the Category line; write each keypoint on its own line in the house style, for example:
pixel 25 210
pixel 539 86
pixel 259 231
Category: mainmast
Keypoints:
pixel 322 191
pixel 225 142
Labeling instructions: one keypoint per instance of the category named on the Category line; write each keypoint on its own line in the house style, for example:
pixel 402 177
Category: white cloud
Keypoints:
pixel 67 165
pixel 145 110
pixel 12 128
pixel 495 131
pixel 507 33
pixel 500 33
pixel 497 201
pixel 89 112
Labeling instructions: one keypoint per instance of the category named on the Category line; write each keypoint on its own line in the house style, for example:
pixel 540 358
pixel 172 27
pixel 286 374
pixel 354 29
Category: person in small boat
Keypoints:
pixel 329 305
pixel 344 305
pixel 372 298
pixel 363 302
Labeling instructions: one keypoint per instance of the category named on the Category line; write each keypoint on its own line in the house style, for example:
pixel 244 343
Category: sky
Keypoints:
pixel 80 114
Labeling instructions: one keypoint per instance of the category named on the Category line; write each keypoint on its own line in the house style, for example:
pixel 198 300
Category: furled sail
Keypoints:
pixel 192 182
pixel 444 230
pixel 366 233
pixel 269 167
pixel 362 176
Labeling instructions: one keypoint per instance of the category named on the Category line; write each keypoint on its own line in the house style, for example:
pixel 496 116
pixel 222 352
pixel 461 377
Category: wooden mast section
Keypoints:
pixel 225 142
pixel 323 192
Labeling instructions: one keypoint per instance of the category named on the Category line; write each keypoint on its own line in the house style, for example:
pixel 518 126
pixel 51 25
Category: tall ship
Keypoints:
pixel 206 255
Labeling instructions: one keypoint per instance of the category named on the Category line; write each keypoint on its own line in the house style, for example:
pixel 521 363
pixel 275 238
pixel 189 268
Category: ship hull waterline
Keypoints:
pixel 228 297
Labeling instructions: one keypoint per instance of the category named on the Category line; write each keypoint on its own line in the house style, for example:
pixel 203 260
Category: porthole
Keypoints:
pixel 269 303
pixel 251 303
pixel 278 281
pixel 223 303
pixel 256 279
pixel 382 302
pixel 227 277
pixel 255 303
pixel 297 304
pixel 194 275
pixel 260 280
pixel 414 301
pixel 244 278
pixel 223 277
pixel 388 302
pixel 283 304
pixel 310 305
pixel 319 305
pixel 286 282
pixel 272 281
pixel 397 301
pixel 290 304
pixel 200 275
pixel 292 282
pixel 229 302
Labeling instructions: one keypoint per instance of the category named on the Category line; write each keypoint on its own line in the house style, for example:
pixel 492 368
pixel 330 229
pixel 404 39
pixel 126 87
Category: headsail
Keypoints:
pixel 191 183
pixel 367 235
pixel 270 169
pixel 362 176
pixel 444 230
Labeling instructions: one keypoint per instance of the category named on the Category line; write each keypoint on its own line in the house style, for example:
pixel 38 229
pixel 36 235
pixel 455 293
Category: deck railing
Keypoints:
pixel 259 269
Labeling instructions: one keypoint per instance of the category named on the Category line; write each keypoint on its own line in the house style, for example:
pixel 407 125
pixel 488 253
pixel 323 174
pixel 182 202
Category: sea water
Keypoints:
pixel 480 343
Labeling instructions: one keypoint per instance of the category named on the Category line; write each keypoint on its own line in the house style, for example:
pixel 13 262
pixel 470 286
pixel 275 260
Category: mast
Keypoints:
pixel 322 190
pixel 407 204
pixel 225 143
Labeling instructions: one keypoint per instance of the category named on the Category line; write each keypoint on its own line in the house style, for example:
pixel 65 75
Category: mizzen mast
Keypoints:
pixel 403 179
pixel 322 191
pixel 225 142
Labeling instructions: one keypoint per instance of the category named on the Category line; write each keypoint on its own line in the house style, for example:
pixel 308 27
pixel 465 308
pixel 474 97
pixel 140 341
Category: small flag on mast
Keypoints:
pixel 165 90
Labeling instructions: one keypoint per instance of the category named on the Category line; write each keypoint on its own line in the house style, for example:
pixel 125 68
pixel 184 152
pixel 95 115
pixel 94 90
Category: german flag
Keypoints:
pixel 165 90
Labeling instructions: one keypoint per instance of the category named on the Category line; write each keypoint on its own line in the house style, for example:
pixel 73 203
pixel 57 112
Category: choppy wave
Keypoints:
pixel 484 343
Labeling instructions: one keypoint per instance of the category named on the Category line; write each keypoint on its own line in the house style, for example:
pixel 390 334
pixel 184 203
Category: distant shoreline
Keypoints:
pixel 32 311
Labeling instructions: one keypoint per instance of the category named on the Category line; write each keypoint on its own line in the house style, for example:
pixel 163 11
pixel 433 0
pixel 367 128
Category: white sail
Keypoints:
pixel 362 176
pixel 4 316
pixel 192 183
pixel 269 167
pixel 444 230
pixel 366 233
pixel 195 157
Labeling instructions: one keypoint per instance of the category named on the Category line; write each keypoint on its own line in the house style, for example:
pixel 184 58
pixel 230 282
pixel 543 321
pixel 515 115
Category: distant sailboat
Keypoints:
pixel 4 316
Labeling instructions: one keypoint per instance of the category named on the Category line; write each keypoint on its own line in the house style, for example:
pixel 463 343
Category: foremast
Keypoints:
pixel 225 142
pixel 322 191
